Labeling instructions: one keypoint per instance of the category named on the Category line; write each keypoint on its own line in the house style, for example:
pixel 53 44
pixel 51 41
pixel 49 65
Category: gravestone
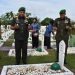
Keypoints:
pixel 33 69
pixel 42 40
pixel 71 44
pixel 61 53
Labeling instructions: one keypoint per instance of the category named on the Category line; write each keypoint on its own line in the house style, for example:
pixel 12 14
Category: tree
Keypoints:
pixel 46 21
pixel 7 17
pixel 28 14
pixel 11 14
pixel 30 20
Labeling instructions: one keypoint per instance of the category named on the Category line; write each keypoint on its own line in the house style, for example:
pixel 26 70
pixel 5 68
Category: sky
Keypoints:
pixel 40 8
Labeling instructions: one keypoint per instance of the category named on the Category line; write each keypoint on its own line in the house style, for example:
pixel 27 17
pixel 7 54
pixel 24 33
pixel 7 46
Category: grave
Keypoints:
pixel 40 69
pixel 1 42
pixel 71 48
pixel 30 51
pixel 5 36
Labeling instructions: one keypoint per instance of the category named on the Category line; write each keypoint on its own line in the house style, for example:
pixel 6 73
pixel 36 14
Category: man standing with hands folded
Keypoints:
pixel 21 32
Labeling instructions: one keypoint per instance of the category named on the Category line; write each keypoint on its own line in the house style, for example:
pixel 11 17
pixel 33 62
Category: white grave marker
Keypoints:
pixel 61 53
pixel 33 69
pixel 42 31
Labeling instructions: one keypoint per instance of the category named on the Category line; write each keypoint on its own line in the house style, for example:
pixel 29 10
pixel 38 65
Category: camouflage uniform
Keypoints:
pixel 21 38
pixel 62 33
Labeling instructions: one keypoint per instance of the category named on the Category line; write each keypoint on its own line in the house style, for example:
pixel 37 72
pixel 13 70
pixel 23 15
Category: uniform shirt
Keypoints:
pixel 48 31
pixel 62 31
pixel 22 32
pixel 36 27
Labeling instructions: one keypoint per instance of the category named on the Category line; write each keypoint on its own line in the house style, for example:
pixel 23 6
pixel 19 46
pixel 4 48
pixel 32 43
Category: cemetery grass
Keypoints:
pixel 6 60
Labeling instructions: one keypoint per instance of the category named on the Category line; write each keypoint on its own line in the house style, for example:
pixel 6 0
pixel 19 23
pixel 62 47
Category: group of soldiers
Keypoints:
pixel 21 28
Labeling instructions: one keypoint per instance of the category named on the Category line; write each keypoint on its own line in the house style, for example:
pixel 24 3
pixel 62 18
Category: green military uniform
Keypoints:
pixel 62 32
pixel 21 37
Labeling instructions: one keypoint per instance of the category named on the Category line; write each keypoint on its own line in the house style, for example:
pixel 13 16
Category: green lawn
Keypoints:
pixel 5 60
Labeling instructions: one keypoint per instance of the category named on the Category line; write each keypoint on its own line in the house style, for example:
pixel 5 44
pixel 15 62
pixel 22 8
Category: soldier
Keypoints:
pixel 20 27
pixel 62 26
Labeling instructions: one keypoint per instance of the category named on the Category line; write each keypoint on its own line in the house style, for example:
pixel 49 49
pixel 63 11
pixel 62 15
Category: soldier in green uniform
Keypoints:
pixel 21 32
pixel 62 26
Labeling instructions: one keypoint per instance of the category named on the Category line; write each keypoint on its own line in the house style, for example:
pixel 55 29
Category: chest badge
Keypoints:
pixel 66 21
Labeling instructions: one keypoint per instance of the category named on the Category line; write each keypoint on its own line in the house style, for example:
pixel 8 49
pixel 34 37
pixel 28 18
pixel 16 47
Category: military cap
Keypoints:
pixel 63 11
pixel 21 9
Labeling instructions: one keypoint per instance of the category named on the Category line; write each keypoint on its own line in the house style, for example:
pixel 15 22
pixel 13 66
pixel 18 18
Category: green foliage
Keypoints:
pixel 6 18
pixel 46 21
pixel 28 14
pixel 30 20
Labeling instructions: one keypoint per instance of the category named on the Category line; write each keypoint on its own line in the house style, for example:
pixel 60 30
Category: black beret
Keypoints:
pixel 63 11
pixel 21 9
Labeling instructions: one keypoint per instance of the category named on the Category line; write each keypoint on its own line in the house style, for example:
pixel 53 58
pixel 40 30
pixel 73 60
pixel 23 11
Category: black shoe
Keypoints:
pixel 17 63
pixel 65 62
pixel 24 62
